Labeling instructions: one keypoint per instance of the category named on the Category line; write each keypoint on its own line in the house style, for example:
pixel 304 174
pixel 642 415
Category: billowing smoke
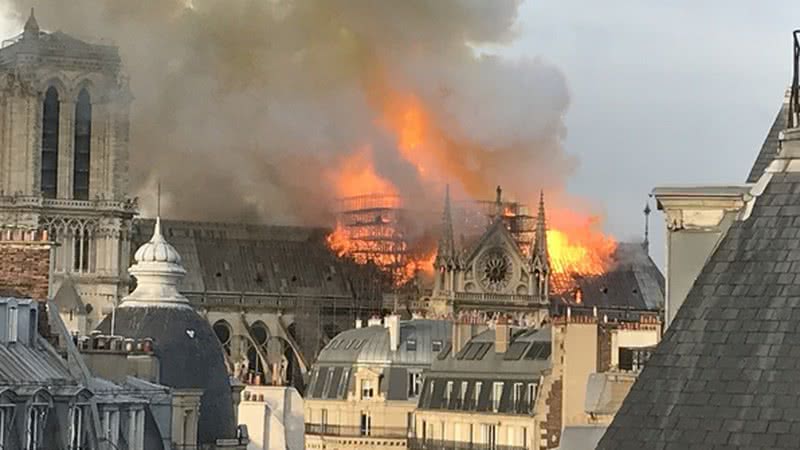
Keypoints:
pixel 251 109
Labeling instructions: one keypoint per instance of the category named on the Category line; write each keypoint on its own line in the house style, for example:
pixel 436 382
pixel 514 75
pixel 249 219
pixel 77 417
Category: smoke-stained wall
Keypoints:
pixel 250 109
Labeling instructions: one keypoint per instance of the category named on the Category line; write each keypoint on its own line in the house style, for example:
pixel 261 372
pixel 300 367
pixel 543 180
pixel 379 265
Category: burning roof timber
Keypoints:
pixel 285 261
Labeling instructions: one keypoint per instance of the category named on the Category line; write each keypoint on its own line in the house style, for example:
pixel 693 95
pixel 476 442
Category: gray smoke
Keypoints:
pixel 244 108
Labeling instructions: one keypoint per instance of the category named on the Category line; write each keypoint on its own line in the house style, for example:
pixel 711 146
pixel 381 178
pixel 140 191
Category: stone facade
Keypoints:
pixel 64 132
pixel 494 274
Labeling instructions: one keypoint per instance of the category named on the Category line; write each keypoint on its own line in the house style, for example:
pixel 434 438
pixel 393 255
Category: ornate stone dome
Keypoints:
pixel 189 354
pixel 157 249
pixel 157 271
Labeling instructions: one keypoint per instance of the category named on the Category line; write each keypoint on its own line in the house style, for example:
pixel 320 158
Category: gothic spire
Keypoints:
pixel 31 29
pixel 447 247
pixel 540 237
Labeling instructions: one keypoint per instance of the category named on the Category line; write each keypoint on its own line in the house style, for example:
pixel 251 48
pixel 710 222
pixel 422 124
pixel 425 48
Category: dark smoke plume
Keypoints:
pixel 243 107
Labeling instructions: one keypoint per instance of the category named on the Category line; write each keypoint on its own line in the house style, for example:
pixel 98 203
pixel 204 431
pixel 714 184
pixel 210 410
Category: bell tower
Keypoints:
pixel 64 127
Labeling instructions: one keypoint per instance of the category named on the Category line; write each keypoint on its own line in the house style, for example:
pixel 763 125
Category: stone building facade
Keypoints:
pixel 494 273
pixel 64 119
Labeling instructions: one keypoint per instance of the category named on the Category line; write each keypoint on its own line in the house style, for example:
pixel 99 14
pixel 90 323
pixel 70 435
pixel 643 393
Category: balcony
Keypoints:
pixel 350 431
pixel 437 444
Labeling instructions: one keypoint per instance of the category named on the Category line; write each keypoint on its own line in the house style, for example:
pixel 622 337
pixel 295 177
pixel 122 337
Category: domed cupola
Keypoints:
pixel 157 271
pixel 157 249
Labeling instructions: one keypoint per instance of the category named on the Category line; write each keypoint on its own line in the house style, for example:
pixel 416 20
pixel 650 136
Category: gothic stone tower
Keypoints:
pixel 64 120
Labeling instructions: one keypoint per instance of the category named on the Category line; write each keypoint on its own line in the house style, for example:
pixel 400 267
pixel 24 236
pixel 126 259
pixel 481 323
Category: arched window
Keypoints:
pixel 83 138
pixel 224 333
pixel 49 183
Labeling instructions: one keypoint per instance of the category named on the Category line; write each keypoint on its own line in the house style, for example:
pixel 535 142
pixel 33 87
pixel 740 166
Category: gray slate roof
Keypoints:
pixel 725 373
pixel 634 282
pixel 259 259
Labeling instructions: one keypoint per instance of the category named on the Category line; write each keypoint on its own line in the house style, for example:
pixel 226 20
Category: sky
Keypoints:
pixel 662 92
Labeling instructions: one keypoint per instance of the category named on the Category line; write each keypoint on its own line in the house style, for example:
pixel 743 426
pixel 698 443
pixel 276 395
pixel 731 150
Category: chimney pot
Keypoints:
pixel 502 335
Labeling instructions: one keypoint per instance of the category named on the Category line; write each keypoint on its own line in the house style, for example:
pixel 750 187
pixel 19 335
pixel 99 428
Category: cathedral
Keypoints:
pixel 64 107
pixel 493 274
pixel 265 290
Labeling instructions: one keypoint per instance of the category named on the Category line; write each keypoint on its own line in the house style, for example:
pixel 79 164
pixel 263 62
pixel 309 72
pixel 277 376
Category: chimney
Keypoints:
pixel 359 323
pixel 374 321
pixel 502 334
pixel 25 268
pixel 392 322
pixel 789 144
pixel 465 326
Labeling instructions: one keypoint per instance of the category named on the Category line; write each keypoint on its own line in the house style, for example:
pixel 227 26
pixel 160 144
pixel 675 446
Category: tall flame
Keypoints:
pixel 575 244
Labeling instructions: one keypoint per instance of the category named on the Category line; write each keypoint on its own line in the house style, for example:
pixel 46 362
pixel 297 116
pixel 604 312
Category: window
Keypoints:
pixel 478 386
pixel 462 395
pixel 411 345
pixel 633 359
pixel 531 396
pixel 366 389
pixel 5 419
pixel 489 436
pixel 448 393
pixel 436 346
pixel 80 253
pixel 328 384
pixel 13 324
pixel 83 138
pixel 323 420
pixel 414 384
pixel 517 400
pixel 34 427
pixel 49 162
pixel 366 424
pixel 497 392
pixel 77 428
pixel 343 384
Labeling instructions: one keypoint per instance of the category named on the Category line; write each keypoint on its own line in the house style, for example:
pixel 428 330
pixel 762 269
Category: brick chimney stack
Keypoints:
pixel 25 264
pixel 502 334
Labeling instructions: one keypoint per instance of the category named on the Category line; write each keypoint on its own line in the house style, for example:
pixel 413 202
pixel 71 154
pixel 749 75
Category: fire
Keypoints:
pixel 372 232
pixel 356 176
pixel 571 255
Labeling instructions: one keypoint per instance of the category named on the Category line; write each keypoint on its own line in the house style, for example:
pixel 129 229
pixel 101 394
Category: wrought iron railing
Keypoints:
pixel 355 431
pixel 438 444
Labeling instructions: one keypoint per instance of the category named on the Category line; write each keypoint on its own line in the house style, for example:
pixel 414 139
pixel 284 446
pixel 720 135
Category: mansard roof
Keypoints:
pixel 725 373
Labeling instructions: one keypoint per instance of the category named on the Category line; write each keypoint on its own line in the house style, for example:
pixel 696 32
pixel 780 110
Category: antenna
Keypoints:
pixel 158 199
pixel 647 211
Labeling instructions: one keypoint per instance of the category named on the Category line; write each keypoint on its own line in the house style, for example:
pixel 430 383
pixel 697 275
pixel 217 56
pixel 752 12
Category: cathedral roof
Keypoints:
pixel 633 282
pixel 56 48
pixel 725 372
pixel 258 259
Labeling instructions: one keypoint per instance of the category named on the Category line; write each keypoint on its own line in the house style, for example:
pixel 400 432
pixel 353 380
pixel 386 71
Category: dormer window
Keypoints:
pixel 366 389
pixel 78 439
pixel 35 422
pixel 13 323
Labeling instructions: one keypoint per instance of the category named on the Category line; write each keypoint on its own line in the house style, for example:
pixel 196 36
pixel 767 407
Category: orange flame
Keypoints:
pixel 575 246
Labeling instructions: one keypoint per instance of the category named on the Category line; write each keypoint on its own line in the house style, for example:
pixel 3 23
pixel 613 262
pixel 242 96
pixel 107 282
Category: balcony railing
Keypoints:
pixel 350 431
pixel 438 444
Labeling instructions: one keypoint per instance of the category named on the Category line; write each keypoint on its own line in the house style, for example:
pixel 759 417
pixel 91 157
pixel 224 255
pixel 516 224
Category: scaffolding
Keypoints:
pixel 374 225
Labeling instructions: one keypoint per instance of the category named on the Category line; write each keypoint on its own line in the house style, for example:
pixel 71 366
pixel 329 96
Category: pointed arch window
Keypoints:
pixel 49 163
pixel 83 139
